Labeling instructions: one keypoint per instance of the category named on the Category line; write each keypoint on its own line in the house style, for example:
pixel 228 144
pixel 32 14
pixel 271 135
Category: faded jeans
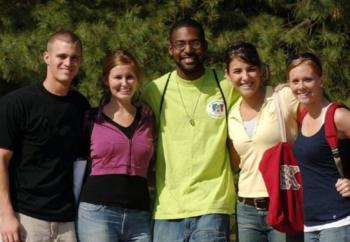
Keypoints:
pixel 252 225
pixel 104 223
pixel 339 234
pixel 205 228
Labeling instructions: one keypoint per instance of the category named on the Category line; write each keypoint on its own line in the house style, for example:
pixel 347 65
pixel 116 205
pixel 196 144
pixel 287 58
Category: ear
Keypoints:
pixel 205 45
pixel 321 79
pixel 170 49
pixel 226 75
pixel 46 57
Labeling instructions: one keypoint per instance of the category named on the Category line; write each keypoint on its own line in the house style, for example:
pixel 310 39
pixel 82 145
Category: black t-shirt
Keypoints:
pixel 118 190
pixel 44 132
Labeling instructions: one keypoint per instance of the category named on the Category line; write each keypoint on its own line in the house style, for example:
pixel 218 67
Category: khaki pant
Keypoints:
pixel 36 230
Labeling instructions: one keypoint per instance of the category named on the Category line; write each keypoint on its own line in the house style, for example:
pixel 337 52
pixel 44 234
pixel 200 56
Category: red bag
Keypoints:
pixel 285 189
pixel 282 178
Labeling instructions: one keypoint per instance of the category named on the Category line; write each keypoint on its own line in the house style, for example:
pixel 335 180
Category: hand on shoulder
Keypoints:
pixel 280 86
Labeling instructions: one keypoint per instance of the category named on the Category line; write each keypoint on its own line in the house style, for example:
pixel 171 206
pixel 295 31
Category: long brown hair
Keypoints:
pixel 248 53
pixel 117 58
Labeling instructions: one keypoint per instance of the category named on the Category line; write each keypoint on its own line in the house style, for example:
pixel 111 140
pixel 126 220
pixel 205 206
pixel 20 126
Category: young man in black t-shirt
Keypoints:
pixel 41 131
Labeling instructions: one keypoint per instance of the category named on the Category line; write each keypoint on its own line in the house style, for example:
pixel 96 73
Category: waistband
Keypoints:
pixel 260 203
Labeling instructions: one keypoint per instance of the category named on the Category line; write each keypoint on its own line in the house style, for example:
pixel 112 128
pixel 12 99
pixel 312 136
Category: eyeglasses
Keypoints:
pixel 181 45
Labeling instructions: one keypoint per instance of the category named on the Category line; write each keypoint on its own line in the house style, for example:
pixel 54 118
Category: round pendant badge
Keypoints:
pixel 216 109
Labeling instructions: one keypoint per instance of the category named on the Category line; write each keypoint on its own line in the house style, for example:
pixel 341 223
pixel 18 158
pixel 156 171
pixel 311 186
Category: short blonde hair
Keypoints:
pixel 66 36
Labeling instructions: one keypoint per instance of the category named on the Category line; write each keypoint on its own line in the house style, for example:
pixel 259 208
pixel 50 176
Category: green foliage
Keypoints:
pixel 276 27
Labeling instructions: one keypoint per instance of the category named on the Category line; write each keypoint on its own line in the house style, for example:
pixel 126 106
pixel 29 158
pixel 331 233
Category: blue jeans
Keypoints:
pixel 103 224
pixel 206 228
pixel 340 234
pixel 252 225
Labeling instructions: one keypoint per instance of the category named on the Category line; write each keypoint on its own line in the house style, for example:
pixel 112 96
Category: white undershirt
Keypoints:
pixel 249 127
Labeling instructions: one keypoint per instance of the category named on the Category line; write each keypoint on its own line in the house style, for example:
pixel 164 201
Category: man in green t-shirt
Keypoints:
pixel 194 183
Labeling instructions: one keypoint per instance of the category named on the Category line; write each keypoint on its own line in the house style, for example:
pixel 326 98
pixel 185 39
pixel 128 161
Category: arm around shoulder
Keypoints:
pixel 234 157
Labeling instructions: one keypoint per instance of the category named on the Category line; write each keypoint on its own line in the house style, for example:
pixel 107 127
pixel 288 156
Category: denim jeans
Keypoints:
pixel 103 224
pixel 340 234
pixel 205 228
pixel 252 225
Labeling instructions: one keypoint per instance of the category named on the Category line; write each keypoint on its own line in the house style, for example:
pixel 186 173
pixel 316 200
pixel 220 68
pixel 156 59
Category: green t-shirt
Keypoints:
pixel 193 173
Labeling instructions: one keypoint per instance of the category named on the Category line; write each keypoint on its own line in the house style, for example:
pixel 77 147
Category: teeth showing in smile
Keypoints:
pixel 124 90
pixel 303 95
pixel 188 60
pixel 247 85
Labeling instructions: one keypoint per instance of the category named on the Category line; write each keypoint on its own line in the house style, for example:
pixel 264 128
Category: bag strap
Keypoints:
pixel 329 126
pixel 222 94
pixel 331 136
pixel 217 83
pixel 163 94
pixel 280 117
pixel 330 133
pixel 301 114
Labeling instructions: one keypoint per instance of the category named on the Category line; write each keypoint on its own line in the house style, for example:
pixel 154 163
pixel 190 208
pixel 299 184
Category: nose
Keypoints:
pixel 301 84
pixel 188 48
pixel 245 76
pixel 124 81
pixel 68 61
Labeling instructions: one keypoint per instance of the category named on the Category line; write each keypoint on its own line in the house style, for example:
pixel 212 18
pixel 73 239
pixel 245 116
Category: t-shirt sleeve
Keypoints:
pixel 11 122
pixel 234 96
pixel 151 96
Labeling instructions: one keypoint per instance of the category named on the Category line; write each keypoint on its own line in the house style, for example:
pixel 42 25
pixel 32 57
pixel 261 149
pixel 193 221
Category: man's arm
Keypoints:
pixel 234 157
pixel 9 224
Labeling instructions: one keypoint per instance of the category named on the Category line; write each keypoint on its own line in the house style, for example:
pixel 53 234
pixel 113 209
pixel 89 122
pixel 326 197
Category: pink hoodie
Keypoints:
pixel 112 152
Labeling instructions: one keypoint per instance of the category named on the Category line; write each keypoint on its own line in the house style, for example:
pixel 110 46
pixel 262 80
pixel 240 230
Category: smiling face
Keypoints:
pixel 122 82
pixel 187 48
pixel 306 83
pixel 244 76
pixel 63 61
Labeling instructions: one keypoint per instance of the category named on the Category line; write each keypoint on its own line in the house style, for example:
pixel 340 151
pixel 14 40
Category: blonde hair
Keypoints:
pixel 66 36
pixel 305 58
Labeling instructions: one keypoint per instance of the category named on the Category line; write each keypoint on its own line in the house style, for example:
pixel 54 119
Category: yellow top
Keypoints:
pixel 265 135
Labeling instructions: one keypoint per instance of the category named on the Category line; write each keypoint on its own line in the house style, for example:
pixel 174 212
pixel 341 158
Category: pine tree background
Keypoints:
pixel 276 27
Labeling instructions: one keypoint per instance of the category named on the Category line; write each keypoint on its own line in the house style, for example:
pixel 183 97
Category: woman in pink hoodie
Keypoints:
pixel 114 202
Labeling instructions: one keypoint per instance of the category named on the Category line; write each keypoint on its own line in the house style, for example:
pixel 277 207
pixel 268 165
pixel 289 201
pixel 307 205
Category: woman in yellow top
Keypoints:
pixel 253 128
